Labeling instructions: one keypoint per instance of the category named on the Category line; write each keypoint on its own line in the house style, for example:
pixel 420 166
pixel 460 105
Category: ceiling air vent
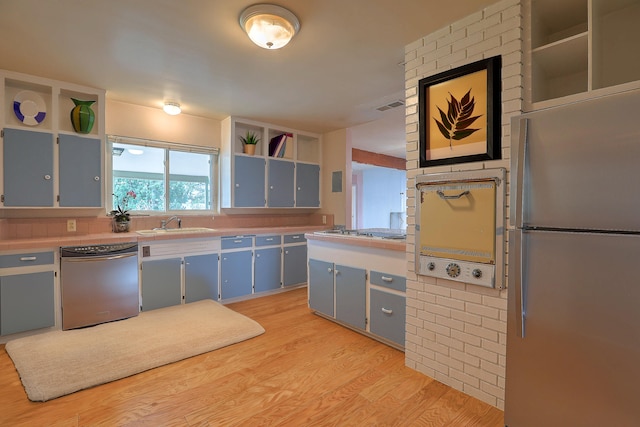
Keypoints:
pixel 394 104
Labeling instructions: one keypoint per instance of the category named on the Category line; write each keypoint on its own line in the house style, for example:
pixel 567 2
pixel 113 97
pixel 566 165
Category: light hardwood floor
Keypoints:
pixel 304 371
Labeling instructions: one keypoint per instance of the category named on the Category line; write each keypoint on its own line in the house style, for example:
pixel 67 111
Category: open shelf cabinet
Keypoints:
pixel 577 47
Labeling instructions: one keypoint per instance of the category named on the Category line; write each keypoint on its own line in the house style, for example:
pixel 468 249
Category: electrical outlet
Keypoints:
pixel 71 225
pixel 324 219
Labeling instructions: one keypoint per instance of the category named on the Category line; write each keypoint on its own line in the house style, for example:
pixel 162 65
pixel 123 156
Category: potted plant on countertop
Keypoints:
pixel 249 142
pixel 121 219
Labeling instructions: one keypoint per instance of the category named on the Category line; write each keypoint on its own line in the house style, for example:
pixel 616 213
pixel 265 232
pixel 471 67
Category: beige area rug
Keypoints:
pixel 61 362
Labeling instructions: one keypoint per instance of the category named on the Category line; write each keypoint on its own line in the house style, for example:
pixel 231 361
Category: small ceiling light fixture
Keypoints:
pixel 172 108
pixel 269 26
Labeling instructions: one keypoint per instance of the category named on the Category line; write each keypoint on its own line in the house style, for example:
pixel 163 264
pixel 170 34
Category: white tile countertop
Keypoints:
pixel 362 240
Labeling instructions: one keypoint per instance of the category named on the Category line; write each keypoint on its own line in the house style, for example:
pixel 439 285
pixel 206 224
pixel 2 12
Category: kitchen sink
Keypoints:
pixel 185 230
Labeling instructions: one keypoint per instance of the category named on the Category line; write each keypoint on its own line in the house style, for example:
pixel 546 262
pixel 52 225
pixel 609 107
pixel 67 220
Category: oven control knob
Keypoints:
pixel 477 273
pixel 431 266
pixel 453 270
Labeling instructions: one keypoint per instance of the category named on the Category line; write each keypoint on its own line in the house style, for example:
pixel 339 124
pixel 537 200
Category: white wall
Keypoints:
pixel 383 192
pixel 336 157
pixel 456 332
pixel 124 119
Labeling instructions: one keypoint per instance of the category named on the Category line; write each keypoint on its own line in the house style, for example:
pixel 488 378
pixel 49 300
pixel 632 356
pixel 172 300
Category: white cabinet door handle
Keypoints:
pixel 387 279
pixel 47 177
pixel 271 187
pixel 237 241
pixel 387 310
pixel 96 178
pixel 270 239
pixel 295 237
pixel 329 270
pixel 28 258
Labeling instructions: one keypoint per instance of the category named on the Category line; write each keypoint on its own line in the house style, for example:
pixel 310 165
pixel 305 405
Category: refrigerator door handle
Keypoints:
pixel 520 173
pixel 518 258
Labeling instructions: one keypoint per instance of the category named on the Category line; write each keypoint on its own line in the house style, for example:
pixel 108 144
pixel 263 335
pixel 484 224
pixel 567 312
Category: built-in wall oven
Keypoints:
pixel 99 283
pixel 460 226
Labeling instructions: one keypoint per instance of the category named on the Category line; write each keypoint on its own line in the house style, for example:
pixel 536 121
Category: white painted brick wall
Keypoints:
pixel 456 332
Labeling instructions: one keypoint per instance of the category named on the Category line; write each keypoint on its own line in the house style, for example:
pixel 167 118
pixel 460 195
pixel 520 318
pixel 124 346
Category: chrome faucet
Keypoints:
pixel 167 221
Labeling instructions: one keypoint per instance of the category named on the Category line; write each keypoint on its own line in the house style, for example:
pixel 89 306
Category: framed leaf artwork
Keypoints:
pixel 460 114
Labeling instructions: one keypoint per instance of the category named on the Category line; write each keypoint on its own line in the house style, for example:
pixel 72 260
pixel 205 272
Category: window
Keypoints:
pixel 165 177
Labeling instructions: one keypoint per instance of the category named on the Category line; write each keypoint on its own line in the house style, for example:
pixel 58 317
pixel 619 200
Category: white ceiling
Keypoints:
pixel 345 62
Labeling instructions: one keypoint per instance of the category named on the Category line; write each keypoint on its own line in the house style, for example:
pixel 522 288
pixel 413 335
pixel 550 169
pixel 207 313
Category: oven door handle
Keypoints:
pixel 98 258
pixel 456 196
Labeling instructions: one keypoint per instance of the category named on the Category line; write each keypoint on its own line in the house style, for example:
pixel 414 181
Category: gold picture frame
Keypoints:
pixel 459 114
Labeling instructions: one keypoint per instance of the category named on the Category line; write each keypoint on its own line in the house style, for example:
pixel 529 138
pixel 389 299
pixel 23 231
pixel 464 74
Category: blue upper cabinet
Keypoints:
pixel 28 168
pixel 244 183
pixel 280 192
pixel 80 171
pixel 249 182
pixel 307 185
pixel 37 172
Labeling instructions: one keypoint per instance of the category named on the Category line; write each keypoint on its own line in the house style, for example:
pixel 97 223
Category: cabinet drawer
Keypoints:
pixel 268 240
pixel 294 238
pixel 236 242
pixel 26 260
pixel 390 281
pixel 387 315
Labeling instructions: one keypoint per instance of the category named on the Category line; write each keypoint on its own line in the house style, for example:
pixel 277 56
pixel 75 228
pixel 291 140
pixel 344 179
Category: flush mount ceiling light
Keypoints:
pixel 269 26
pixel 171 108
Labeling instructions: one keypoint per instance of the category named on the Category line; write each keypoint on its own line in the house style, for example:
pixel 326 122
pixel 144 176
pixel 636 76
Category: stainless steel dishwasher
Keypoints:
pixel 99 283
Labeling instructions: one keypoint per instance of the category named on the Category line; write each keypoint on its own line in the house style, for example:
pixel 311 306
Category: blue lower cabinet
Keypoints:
pixel 267 269
pixel 161 282
pixel 295 265
pixel 387 312
pixel 236 274
pixel 200 277
pixel 351 296
pixel 321 286
pixel 26 302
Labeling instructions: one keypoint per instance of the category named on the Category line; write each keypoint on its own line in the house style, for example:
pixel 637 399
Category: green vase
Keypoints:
pixel 82 116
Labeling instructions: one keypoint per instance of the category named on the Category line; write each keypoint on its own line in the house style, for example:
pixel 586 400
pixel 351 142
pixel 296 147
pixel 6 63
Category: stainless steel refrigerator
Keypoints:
pixel 573 327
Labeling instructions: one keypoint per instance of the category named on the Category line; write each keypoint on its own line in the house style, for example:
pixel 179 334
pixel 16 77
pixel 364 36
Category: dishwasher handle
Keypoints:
pixel 98 258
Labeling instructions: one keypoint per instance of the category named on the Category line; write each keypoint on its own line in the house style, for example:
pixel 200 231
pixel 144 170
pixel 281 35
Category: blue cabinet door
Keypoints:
pixel 80 161
pixel 388 315
pixel 26 302
pixel 28 168
pixel 307 185
pixel 236 274
pixel 321 286
pixel 295 265
pixel 280 192
pixel 267 269
pixel 161 283
pixel 351 296
pixel 200 277
pixel 249 180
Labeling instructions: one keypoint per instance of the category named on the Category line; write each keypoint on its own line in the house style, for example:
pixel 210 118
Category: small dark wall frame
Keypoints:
pixel 460 114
